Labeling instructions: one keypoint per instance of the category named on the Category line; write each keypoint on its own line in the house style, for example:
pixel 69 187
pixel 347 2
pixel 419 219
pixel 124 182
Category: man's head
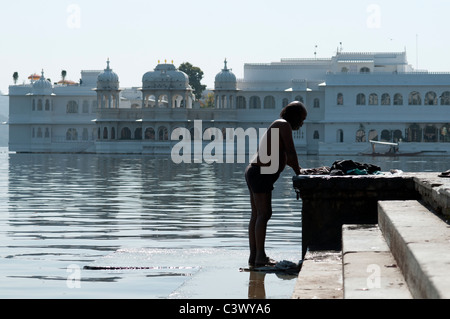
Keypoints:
pixel 294 113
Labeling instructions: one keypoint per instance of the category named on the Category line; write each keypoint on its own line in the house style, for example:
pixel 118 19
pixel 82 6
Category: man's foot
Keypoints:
pixel 268 262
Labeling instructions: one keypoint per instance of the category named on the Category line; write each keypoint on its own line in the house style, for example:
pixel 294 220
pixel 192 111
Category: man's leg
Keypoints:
pixel 251 231
pixel 263 204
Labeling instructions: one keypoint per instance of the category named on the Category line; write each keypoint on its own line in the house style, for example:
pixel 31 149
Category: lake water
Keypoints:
pixel 182 228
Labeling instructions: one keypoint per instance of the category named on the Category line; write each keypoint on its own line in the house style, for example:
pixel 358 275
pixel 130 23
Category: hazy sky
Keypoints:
pixel 80 35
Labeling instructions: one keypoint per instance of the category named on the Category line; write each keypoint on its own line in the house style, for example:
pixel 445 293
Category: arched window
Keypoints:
pixel 398 99
pixel 316 135
pixel 269 102
pixel 85 134
pixel 364 70
pixel 150 101
pixel 72 107
pixel 285 102
pixel 113 133
pixel 414 133
pixel 47 105
pixel 430 134
pixel 340 99
pixel 125 134
pixel 39 132
pixel 373 99
pixel 138 133
pixel 385 99
pixel 398 136
pixel 240 102
pixel 39 105
pixel 72 134
pixel 360 136
pixel 299 98
pixel 255 102
pixel 163 133
pixel 231 102
pixel 445 98
pixel 414 98
pixel 431 98
pixel 360 99
pixel 316 103
pixel 385 135
pixel 85 106
pixel 105 133
pixel 149 133
pixel 340 136
pixel 47 132
pixel 177 101
pixel 444 133
pixel 163 101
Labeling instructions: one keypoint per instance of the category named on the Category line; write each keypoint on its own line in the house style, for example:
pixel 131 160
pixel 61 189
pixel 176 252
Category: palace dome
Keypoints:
pixel 225 79
pixel 42 86
pixel 165 76
pixel 108 79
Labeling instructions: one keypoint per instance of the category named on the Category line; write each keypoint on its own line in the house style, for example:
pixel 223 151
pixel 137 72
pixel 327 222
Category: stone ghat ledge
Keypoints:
pixel 420 243
pixel 328 202
pixel 428 186
pixel 435 192
pixel 326 186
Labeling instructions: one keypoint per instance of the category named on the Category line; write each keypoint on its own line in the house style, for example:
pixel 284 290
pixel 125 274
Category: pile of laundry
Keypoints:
pixel 344 167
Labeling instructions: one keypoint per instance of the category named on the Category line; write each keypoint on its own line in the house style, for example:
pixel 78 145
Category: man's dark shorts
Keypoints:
pixel 257 182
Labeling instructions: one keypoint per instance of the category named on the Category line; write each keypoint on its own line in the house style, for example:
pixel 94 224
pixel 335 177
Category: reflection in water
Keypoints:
pixel 72 209
pixel 67 209
pixel 256 289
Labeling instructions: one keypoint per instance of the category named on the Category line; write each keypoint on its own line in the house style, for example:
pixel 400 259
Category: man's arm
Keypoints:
pixel 289 148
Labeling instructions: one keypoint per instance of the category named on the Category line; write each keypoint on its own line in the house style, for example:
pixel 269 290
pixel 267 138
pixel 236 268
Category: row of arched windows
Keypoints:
pixel 413 98
pixel 40 132
pixel 41 104
pixel 268 102
pixel 71 106
pixel 429 133
pixel 72 134
pixel 160 134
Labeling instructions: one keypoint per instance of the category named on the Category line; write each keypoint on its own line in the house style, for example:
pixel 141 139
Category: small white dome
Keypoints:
pixel 108 79
pixel 42 86
pixel 225 79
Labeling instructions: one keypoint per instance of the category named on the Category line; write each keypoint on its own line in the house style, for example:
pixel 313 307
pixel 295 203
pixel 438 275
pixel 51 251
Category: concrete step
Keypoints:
pixel 420 242
pixel 320 276
pixel 369 269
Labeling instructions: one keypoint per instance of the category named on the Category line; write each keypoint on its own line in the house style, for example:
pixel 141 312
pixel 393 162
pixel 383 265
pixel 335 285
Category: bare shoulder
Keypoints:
pixel 280 123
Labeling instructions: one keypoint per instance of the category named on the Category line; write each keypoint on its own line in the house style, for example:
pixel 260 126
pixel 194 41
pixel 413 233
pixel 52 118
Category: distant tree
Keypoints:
pixel 209 101
pixel 63 75
pixel 15 77
pixel 195 75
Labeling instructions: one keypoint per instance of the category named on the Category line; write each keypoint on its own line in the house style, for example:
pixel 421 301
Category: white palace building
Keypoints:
pixel 355 101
